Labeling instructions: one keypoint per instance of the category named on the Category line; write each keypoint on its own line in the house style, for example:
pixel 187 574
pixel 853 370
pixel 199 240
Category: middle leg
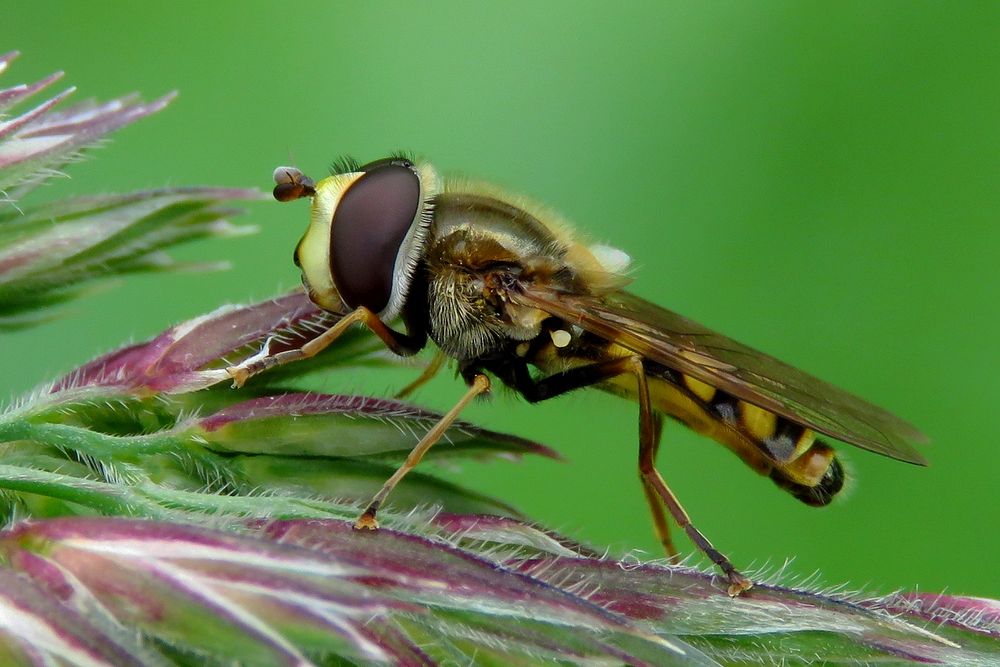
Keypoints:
pixel 480 384
pixel 657 492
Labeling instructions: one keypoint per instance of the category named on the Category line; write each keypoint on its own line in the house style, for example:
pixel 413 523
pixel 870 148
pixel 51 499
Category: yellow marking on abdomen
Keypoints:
pixel 703 391
pixel 747 436
pixel 811 464
pixel 804 443
pixel 758 422
pixel 676 402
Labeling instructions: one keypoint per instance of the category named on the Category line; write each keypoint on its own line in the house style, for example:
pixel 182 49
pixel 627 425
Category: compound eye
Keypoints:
pixel 367 232
pixel 397 161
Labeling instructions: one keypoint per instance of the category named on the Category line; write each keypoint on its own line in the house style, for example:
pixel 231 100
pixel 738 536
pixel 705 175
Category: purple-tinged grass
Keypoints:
pixel 271 599
pixel 105 424
pixel 50 253
pixel 300 591
pixel 225 475
pixel 35 144
pixel 227 532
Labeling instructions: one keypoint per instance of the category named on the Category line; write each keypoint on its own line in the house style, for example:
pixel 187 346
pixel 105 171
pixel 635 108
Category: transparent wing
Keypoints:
pixel 682 344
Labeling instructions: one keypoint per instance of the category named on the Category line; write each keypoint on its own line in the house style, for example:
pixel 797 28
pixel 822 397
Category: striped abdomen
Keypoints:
pixel 787 452
pixel 783 450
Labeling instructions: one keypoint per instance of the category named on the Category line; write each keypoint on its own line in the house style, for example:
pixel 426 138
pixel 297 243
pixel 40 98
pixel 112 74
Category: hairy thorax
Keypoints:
pixel 469 276
pixel 482 249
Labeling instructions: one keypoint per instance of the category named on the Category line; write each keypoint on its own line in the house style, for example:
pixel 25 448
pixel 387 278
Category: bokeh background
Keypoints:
pixel 819 180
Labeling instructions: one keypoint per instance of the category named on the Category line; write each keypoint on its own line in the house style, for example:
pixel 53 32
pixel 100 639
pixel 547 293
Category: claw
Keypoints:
pixel 239 374
pixel 738 584
pixel 366 521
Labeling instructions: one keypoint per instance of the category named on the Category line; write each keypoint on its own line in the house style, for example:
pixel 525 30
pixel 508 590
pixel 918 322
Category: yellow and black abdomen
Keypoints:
pixel 787 452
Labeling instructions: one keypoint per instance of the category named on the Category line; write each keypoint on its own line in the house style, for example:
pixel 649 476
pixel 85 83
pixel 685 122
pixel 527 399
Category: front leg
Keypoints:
pixel 401 344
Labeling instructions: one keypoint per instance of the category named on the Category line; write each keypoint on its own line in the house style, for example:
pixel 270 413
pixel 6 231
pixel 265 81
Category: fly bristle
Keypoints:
pixel 344 164
pixel 402 155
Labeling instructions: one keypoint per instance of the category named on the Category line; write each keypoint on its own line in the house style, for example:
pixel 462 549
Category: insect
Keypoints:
pixel 504 288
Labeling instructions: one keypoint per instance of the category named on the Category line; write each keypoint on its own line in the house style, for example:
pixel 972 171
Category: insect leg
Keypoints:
pixel 401 344
pixel 654 486
pixel 480 384
pixel 660 524
pixel 516 375
pixel 647 469
pixel 429 372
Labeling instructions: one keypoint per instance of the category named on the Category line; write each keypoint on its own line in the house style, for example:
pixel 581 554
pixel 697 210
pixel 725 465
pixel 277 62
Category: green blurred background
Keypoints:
pixel 819 180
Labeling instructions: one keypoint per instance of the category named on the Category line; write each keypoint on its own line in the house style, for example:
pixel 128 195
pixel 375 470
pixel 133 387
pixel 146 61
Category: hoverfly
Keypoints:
pixel 504 288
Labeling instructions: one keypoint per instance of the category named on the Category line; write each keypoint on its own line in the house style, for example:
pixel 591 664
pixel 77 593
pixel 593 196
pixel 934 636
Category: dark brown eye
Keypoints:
pixel 367 232
pixel 396 161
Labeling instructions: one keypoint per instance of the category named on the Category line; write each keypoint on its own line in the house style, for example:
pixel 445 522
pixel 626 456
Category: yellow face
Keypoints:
pixel 313 252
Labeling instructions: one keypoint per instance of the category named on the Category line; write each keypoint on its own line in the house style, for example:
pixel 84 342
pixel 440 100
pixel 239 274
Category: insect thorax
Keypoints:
pixel 470 316
pixel 476 253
